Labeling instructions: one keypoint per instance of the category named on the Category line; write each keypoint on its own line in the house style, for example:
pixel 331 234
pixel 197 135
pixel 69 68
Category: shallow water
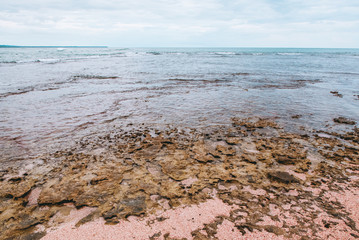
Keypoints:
pixel 49 97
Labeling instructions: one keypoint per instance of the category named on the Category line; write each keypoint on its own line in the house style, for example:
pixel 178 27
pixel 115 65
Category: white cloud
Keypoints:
pixel 180 22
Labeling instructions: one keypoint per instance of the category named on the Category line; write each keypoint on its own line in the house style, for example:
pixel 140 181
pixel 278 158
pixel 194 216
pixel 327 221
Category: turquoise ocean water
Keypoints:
pixel 51 97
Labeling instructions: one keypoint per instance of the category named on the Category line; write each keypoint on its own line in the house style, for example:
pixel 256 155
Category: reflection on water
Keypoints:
pixel 49 99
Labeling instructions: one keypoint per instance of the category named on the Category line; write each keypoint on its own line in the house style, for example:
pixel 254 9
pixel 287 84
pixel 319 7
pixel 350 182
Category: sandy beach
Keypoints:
pixel 250 180
pixel 179 120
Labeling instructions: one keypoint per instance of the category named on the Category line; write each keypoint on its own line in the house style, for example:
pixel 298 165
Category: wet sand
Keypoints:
pixel 250 179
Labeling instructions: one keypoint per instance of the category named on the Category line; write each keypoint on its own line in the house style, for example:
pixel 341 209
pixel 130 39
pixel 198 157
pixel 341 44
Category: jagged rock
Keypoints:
pixel 32 236
pixel 27 222
pixel 134 206
pixel 229 151
pixel 7 214
pixel 233 140
pixel 179 168
pixel 16 188
pixel 254 123
pixel 171 190
pixel 65 190
pixel 283 177
pixel 88 218
pixel 176 166
pixel 251 158
pixel 204 158
pixel 202 153
pixel 285 160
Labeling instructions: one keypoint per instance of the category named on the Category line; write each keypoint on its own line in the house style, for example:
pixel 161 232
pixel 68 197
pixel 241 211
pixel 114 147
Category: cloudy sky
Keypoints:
pixel 181 23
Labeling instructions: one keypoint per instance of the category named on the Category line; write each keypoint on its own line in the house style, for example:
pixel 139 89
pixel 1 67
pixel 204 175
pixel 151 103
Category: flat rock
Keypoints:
pixel 283 177
pixel 15 189
pixel 233 140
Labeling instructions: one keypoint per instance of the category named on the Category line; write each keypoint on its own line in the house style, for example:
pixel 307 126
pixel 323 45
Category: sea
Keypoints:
pixel 50 98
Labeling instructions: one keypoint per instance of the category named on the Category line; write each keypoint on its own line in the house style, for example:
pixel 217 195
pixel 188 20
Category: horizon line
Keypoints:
pixel 103 46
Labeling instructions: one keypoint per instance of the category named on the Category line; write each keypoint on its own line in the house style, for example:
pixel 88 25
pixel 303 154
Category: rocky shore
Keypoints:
pixel 251 180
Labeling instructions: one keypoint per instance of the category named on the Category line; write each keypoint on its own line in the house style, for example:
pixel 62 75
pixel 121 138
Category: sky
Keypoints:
pixel 181 23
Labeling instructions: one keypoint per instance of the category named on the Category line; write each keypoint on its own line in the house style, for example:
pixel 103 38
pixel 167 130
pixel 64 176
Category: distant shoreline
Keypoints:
pixel 193 47
pixel 14 46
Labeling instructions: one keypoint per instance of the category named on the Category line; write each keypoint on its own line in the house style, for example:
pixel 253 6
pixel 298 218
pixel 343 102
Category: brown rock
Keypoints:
pixel 251 158
pixel 177 166
pixel 66 190
pixel 343 120
pixel 254 123
pixel 283 177
pixel 232 140
pixel 16 189
pixel 297 116
pixel 32 236
pixel 28 222
pixel 134 206
pixel 7 214
pixel 88 218
pixel 274 229
pixel 285 160
pixel 98 179
pixel 229 151
pixel 202 152
pixel 171 190
pixel 336 93
pixel 204 158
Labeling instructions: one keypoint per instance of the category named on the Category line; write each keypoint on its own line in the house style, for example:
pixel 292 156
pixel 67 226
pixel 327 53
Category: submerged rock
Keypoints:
pixel 336 93
pixel 344 120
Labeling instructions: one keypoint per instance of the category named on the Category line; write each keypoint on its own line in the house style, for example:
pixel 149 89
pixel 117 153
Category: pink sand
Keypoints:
pixel 179 223
pixel 228 231
pixel 266 220
pixel 33 196
pixel 338 231
pixel 350 200
pixel 189 181
pixel 292 193
pixel 259 192
pixel 274 210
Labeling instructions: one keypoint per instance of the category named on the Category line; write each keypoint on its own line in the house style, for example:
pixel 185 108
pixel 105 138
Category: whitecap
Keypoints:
pixel 48 60
pixel 225 53
pixel 290 54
